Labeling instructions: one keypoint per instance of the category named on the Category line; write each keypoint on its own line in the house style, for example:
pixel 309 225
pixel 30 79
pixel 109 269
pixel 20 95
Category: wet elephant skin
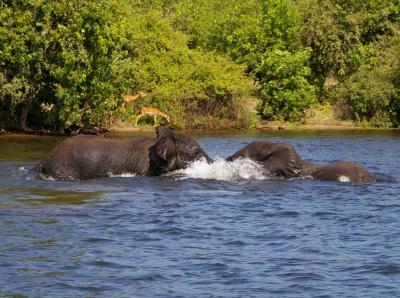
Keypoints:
pixel 88 157
pixel 282 160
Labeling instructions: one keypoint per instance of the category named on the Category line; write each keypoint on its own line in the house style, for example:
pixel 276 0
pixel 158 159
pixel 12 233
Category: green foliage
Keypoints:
pixel 263 36
pixel 93 64
pixel 352 42
pixel 67 60
pixel 333 36
pixel 187 84
pixel 21 60
pixel 222 26
pixel 337 31
pixel 242 29
pixel 68 63
pixel 372 94
pixel 286 93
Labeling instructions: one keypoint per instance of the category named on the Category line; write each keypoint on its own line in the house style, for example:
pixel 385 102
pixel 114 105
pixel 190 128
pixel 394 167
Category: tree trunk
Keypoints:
pixel 24 116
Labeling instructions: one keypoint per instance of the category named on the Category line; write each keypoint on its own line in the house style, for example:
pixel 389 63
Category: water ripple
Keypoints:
pixel 219 230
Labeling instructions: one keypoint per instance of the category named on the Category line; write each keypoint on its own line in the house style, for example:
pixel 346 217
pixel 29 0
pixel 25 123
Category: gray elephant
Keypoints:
pixel 282 160
pixel 87 157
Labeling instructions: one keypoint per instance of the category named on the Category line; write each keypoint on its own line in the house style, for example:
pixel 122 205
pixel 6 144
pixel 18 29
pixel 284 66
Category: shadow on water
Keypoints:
pixel 36 197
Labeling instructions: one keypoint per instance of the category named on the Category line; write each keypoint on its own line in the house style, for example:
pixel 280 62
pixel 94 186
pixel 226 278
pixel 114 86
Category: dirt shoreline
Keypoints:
pixel 265 126
pixel 312 126
pixel 262 126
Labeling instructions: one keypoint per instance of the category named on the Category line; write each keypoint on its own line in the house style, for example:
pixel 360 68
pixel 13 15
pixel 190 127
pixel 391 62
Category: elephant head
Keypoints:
pixel 173 152
pixel 277 159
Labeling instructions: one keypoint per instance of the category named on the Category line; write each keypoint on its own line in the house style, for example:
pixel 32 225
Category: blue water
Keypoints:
pixel 179 236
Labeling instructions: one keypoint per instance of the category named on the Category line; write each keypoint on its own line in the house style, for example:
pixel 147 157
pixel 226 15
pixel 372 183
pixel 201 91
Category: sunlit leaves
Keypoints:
pixel 286 92
pixel 71 53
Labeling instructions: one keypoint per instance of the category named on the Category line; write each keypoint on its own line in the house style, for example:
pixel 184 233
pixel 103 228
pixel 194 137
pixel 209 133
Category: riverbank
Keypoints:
pixel 318 118
pixel 261 126
pixel 266 125
pixel 275 125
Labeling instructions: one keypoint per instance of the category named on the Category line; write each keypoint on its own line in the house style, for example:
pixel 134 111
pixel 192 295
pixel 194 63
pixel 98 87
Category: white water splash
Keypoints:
pixel 22 171
pixel 46 177
pixel 221 169
pixel 343 179
pixel 122 175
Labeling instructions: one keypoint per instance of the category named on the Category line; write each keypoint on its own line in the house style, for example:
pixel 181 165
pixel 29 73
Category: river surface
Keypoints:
pixel 223 230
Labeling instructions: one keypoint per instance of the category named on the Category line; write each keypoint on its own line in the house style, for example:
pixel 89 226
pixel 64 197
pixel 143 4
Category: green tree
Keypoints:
pixel 197 89
pixel 68 60
pixel 286 93
pixel 372 94
pixel 333 37
pixel 69 63
pixel 21 61
pixel 337 31
pixel 244 30
pixel 93 62
pixel 257 34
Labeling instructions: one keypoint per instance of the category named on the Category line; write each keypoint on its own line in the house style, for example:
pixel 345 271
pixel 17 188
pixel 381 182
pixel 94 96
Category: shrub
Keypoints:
pixel 197 89
pixel 72 56
pixel 372 94
pixel 286 93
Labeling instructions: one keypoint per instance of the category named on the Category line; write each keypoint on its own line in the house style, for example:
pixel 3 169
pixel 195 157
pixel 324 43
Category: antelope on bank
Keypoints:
pixel 151 112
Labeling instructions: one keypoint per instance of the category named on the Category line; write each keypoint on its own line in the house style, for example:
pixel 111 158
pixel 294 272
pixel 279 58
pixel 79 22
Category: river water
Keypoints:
pixel 221 230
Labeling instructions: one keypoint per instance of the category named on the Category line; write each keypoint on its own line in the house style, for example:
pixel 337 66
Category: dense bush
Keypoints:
pixel 372 94
pixel 196 89
pixel 67 64
pixel 286 94
pixel 64 62
pixel 263 36
pixel 356 44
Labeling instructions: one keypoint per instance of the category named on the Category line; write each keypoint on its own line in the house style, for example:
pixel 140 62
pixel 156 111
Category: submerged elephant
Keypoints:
pixel 87 157
pixel 282 160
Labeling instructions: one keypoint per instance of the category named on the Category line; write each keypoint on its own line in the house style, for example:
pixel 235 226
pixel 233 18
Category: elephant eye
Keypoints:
pixel 265 157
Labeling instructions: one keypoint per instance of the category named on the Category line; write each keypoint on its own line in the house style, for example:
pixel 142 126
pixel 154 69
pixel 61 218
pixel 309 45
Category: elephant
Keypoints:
pixel 87 157
pixel 281 160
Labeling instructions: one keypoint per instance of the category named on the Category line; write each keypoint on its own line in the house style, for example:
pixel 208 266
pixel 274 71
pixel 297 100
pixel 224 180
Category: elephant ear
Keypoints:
pixel 165 146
